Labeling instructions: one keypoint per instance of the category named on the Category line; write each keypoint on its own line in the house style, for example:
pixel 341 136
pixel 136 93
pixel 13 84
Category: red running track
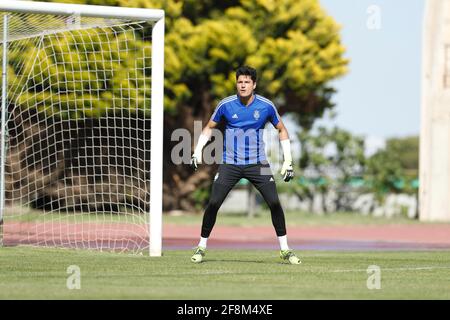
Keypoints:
pixel 124 237
pixel 357 237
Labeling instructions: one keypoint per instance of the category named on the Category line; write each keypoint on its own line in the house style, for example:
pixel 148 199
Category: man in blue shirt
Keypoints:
pixel 245 115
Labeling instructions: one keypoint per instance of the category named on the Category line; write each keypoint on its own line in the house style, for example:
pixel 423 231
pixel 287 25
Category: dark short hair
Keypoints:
pixel 246 71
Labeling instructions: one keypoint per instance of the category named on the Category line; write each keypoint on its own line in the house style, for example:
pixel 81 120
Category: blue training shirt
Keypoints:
pixel 243 141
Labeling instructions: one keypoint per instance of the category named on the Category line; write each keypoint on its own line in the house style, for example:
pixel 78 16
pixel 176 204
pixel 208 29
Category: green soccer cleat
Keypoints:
pixel 198 255
pixel 289 256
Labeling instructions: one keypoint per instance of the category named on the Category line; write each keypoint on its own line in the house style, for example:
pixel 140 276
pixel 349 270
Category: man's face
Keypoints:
pixel 245 86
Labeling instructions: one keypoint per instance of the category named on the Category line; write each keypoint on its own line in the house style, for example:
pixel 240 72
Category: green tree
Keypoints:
pixel 294 45
pixel 394 168
pixel 330 159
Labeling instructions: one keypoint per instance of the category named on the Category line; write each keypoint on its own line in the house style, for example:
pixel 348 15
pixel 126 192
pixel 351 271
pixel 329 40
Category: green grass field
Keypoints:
pixel 38 273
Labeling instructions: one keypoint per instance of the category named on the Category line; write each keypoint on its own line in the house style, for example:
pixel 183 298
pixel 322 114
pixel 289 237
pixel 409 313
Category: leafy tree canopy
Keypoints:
pixel 295 46
pixel 395 167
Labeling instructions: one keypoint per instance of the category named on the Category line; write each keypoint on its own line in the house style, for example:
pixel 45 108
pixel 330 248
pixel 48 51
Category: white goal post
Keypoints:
pixel 81 126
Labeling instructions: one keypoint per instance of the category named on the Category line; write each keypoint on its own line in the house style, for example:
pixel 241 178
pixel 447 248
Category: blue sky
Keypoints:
pixel 380 96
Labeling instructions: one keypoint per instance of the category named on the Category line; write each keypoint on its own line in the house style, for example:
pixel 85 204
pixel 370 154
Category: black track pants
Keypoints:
pixel 260 176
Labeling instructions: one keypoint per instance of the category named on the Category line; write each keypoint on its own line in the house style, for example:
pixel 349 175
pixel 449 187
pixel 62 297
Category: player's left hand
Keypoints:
pixel 287 171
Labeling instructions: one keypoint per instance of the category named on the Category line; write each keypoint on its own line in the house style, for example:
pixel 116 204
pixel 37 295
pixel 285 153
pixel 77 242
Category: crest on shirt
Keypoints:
pixel 256 114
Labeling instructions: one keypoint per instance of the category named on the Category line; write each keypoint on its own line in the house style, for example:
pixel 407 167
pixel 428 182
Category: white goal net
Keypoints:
pixel 79 96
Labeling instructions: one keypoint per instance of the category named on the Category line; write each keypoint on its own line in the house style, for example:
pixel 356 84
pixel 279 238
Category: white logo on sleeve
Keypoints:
pixel 235 116
pixel 271 179
pixel 216 176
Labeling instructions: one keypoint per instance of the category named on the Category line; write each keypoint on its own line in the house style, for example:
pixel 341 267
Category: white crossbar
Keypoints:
pixel 82 10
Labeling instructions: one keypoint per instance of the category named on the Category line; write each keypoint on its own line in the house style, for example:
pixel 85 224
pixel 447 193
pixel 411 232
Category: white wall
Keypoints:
pixel 434 192
pixel 365 204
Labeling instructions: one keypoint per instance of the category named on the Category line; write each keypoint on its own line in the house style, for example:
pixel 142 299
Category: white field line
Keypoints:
pixel 220 272
pixel 394 269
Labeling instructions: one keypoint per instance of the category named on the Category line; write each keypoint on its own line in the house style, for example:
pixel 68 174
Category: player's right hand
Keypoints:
pixel 194 162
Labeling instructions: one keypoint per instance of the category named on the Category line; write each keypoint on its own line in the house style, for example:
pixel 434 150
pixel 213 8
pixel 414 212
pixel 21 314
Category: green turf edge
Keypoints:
pixel 41 273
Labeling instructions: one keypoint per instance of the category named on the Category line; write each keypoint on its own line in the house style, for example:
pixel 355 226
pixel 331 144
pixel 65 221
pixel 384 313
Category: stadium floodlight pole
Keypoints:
pixel 3 122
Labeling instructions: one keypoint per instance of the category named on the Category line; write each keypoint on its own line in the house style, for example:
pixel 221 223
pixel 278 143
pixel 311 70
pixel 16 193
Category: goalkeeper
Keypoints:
pixel 245 115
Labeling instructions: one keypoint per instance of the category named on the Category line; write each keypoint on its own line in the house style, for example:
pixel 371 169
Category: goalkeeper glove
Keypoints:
pixel 287 171
pixel 194 162
pixel 196 158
